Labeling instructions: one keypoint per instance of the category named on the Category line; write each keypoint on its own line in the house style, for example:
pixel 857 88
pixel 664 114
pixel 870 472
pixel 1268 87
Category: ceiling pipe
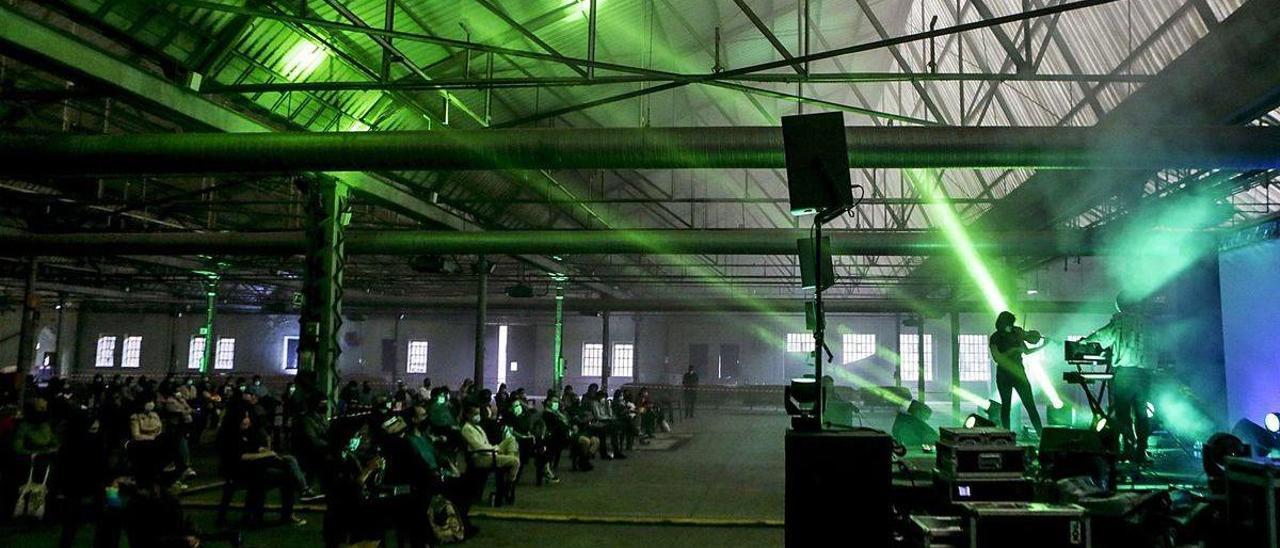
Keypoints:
pixel 1237 148
pixel 545 242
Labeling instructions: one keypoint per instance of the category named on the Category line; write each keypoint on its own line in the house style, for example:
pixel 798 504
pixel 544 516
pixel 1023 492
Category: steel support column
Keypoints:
pixel 206 331
pixel 606 353
pixel 30 315
pixel 328 210
pixel 482 296
pixel 557 347
pixel 920 363
pixel 955 364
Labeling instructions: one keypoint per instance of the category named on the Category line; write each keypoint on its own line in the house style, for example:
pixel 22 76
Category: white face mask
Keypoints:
pixel 149 407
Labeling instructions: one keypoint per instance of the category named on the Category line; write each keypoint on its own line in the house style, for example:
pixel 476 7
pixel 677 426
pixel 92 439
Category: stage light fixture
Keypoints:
pixel 1151 410
pixel 1272 422
pixel 1100 424
pixel 977 421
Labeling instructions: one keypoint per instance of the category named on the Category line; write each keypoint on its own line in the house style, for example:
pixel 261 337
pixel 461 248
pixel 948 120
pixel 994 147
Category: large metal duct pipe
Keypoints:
pixel 1237 148
pixel 705 305
pixel 544 242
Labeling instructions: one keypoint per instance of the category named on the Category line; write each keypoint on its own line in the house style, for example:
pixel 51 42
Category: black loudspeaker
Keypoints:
pixel 817 163
pixel 804 248
pixel 810 316
pixel 838 487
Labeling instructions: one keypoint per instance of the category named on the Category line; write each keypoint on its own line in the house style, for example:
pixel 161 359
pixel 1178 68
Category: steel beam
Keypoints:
pixel 29 39
pixel 1127 147
pixel 768 35
pixel 545 242
pixel 573 81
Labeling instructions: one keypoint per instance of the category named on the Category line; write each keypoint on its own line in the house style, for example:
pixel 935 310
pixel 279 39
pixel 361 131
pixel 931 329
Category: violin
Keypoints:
pixel 1029 336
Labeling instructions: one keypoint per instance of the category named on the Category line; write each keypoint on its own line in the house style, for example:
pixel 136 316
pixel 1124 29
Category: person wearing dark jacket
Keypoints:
pixel 247 457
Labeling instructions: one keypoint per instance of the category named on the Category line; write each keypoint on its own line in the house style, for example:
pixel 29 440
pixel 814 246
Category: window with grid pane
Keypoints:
pixel 908 352
pixel 131 354
pixel 417 361
pixel 799 342
pixel 592 359
pixel 226 353
pixel 857 346
pixel 106 353
pixel 195 352
pixel 623 360
pixel 975 358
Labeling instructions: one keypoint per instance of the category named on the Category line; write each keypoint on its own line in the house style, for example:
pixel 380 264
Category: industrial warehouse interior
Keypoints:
pixel 596 273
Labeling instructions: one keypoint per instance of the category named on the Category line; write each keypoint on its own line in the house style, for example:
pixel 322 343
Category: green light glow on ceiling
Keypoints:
pixel 303 59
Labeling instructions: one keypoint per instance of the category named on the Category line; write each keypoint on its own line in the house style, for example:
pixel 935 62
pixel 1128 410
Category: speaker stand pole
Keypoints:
pixel 820 317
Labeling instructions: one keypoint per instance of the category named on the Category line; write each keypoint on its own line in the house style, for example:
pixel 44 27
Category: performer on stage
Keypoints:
pixel 1125 334
pixel 1008 344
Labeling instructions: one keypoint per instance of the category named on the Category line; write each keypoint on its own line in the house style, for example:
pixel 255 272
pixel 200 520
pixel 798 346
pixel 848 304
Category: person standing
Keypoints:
pixel 690 383
pixel 1125 335
pixel 1008 344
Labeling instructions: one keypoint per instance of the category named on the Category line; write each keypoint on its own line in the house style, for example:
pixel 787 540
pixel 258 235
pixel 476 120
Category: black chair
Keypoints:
pixel 477 477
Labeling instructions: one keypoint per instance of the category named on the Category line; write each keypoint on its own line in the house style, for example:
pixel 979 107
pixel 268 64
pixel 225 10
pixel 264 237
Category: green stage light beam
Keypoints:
pixel 926 181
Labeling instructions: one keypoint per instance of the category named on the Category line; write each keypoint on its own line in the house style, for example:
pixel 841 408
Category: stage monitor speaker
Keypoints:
pixel 817 156
pixel 838 485
pixel 804 248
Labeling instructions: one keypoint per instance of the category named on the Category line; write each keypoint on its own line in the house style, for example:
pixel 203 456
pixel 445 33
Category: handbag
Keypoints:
pixel 446 524
pixel 32 495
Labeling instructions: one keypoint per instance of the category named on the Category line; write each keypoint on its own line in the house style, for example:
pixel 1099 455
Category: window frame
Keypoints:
pixel 592 359
pixel 111 354
pixel 851 341
pixel 903 362
pixel 800 343
pixel 975 358
pixel 136 353
pixel 218 354
pixel 617 357
pixel 409 366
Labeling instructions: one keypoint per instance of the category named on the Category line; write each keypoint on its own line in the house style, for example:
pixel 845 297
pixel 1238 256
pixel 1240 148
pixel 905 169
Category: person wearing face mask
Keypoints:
pixel 562 431
pixel 531 433
pixel 1008 344
pixel 505 456
pixel 145 427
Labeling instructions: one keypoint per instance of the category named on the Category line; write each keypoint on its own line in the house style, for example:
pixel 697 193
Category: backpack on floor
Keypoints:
pixel 446 524
pixel 31 496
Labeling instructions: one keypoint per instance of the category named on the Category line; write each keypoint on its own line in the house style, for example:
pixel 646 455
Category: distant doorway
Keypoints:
pixel 699 355
pixel 727 364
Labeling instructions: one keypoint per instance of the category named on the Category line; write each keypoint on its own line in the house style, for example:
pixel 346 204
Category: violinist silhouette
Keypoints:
pixel 1008 344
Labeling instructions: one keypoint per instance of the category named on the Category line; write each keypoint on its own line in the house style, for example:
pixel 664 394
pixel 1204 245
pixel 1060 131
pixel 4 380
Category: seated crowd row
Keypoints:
pixel 118 451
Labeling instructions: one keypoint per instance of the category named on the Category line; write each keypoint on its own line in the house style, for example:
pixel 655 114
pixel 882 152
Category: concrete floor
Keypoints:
pixel 729 472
